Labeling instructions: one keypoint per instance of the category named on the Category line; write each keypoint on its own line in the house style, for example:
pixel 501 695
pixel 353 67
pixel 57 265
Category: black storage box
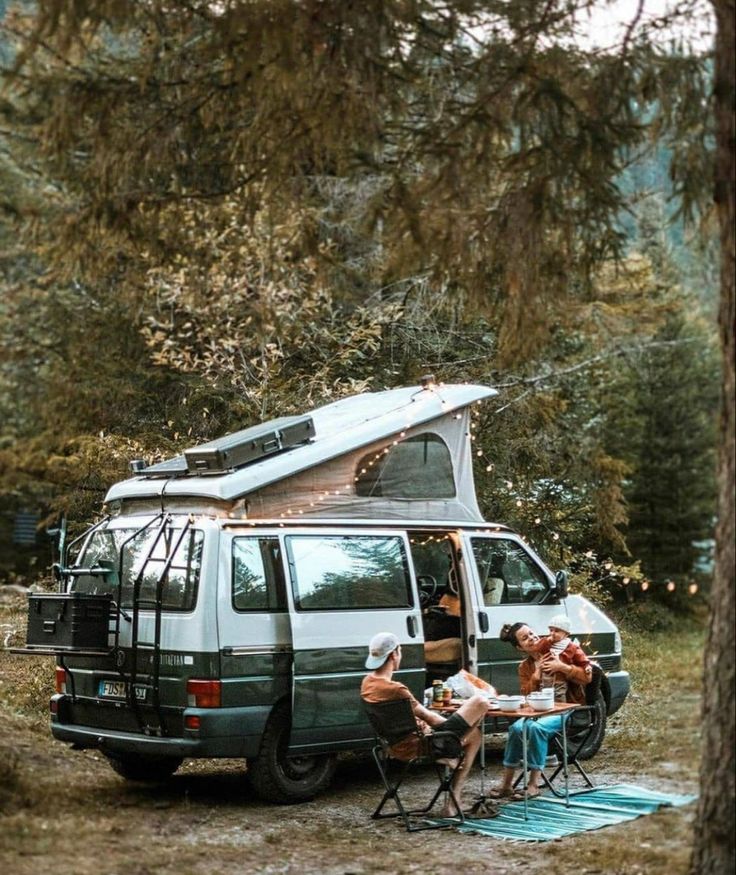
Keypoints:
pixel 250 445
pixel 68 621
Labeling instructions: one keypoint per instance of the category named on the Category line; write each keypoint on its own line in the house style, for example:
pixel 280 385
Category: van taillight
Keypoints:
pixel 60 679
pixel 204 694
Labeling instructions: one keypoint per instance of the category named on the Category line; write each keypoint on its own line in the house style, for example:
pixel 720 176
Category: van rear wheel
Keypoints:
pixel 135 767
pixel 287 779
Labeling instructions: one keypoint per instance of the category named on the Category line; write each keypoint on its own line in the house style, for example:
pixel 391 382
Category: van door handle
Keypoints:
pixel 483 621
pixel 411 626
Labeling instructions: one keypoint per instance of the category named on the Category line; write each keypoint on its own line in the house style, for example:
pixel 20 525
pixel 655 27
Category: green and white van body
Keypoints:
pixel 244 599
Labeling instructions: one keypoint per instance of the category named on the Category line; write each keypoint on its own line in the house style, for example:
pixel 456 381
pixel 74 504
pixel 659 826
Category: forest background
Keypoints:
pixel 239 306
pixel 216 214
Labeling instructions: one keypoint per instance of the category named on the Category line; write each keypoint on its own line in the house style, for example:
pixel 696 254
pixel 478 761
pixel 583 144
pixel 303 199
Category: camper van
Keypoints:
pixel 223 605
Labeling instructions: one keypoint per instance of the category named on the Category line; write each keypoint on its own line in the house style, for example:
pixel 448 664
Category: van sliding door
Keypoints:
pixel 344 588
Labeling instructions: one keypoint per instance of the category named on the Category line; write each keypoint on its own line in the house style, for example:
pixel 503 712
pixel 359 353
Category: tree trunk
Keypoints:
pixel 714 848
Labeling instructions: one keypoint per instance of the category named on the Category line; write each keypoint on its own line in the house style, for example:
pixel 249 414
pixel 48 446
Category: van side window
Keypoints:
pixel 258 575
pixel 419 467
pixel 348 572
pixel 508 575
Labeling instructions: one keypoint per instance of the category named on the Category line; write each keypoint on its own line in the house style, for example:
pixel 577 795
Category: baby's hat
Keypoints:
pixel 560 621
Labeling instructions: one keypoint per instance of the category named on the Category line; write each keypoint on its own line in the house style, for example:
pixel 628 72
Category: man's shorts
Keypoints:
pixel 455 724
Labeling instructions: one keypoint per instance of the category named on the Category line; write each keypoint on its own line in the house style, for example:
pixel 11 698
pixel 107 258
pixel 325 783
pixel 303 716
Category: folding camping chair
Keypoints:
pixel 580 726
pixel 393 721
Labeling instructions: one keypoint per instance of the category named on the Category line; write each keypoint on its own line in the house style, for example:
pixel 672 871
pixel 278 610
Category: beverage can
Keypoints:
pixel 446 695
pixel 437 688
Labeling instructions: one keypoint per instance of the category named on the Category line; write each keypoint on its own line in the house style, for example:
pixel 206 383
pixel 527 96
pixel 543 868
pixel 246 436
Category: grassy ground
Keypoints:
pixel 67 811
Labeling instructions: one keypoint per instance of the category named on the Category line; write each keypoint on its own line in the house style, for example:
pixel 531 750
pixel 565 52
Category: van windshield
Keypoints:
pixel 152 554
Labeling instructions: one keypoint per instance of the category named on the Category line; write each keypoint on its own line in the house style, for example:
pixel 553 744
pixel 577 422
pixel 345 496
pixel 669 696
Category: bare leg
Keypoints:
pixel 506 786
pixel 471 745
pixel 532 788
pixel 472 711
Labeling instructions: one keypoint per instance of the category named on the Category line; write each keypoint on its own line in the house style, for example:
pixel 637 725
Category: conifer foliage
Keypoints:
pixel 224 211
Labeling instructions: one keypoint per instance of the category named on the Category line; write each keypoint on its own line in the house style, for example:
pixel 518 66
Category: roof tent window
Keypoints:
pixel 418 467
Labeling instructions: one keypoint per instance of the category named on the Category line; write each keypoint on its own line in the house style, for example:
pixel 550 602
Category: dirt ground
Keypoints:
pixel 67 812
pixel 79 818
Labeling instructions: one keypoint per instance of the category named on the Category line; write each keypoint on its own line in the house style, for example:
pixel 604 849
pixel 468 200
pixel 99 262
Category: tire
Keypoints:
pixel 595 741
pixel 134 767
pixel 286 780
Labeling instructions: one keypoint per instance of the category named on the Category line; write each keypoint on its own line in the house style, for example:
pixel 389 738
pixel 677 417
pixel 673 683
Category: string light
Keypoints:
pixel 381 454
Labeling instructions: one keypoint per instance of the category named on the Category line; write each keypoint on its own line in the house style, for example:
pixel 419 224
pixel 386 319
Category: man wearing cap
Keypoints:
pixel 560 646
pixel 384 658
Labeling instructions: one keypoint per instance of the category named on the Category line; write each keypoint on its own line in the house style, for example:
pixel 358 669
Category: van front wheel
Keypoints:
pixel 286 779
pixel 592 746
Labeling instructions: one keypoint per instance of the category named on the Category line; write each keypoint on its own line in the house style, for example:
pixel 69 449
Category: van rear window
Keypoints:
pixel 147 555
pixel 350 572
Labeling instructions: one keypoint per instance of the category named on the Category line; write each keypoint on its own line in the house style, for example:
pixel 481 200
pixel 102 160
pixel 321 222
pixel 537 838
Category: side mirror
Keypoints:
pixel 561 585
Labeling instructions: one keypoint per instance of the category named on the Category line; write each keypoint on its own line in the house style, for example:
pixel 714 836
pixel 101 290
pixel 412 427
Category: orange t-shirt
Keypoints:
pixel 375 689
pixel 451 603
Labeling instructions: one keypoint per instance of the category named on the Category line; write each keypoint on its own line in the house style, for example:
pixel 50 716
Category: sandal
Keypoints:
pixel 504 793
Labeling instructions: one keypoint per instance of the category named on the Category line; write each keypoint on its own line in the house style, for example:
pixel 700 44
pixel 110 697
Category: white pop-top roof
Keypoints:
pixel 340 428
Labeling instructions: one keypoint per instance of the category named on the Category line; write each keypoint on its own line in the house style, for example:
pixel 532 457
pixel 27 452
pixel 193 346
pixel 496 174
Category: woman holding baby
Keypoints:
pixel 551 661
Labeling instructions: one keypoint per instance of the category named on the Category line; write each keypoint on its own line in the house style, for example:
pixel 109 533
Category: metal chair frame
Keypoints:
pixel 578 726
pixel 392 722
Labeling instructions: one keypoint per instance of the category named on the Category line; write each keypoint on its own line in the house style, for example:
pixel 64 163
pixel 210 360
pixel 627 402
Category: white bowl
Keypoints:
pixel 510 703
pixel 540 703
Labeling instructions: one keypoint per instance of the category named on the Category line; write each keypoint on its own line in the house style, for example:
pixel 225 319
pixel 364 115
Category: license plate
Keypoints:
pixel 119 690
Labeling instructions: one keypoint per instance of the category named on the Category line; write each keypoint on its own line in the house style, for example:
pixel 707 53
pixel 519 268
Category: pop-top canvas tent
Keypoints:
pixel 399 454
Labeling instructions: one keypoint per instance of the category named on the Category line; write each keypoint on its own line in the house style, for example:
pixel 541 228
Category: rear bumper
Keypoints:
pixel 619 685
pixel 223 732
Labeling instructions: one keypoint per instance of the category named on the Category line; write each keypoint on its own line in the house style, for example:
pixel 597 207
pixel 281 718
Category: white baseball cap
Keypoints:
pixel 381 646
pixel 560 621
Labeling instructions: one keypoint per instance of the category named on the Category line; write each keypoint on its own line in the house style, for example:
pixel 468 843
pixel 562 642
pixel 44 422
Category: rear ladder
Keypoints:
pixel 144 651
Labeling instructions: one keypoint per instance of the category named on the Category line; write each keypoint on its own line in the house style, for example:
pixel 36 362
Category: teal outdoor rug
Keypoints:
pixel 550 818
